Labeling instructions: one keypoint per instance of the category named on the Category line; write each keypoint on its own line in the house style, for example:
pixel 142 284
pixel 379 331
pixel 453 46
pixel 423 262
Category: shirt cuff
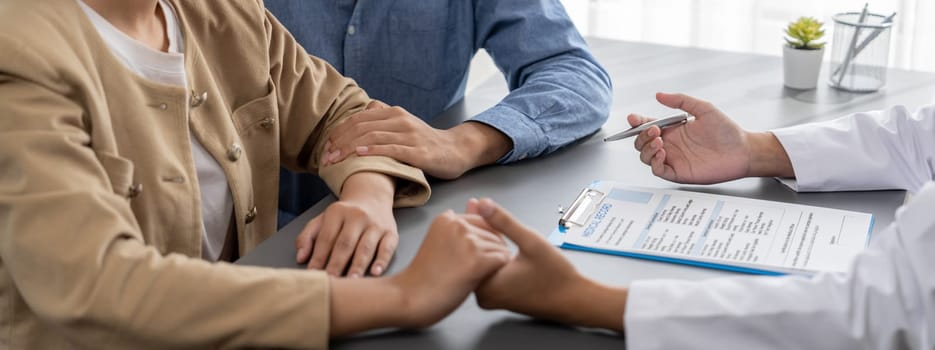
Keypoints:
pixel 520 128
pixel 797 141
pixel 412 189
pixel 643 301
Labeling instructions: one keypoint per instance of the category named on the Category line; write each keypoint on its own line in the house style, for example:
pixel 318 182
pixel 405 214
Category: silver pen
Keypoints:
pixel 662 123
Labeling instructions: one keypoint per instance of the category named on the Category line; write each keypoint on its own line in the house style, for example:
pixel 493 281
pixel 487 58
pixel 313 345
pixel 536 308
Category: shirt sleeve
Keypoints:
pixel 313 98
pixel 888 149
pixel 885 301
pixel 558 91
pixel 74 253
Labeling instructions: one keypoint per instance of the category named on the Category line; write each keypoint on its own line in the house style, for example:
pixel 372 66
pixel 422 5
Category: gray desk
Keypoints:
pixel 747 87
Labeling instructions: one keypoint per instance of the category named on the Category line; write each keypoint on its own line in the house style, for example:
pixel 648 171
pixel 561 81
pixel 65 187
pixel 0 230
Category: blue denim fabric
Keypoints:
pixel 416 53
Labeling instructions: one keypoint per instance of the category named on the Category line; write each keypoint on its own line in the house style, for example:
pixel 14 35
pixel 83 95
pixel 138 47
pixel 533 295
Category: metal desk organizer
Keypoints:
pixel 860 51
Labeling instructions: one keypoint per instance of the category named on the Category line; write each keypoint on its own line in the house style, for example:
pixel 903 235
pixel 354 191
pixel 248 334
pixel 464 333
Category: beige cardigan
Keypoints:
pixel 100 225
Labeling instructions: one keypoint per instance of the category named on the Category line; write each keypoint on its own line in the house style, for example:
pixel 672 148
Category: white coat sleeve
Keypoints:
pixel 885 301
pixel 888 149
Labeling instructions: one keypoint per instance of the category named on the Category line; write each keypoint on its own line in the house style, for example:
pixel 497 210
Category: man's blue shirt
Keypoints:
pixel 416 54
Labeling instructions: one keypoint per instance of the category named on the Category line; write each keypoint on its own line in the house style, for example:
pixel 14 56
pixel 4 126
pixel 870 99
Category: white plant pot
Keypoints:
pixel 800 68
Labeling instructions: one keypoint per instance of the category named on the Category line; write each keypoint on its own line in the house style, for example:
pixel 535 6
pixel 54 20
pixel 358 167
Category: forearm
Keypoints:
pixel 360 304
pixel 768 158
pixel 558 91
pixel 480 144
pixel 889 149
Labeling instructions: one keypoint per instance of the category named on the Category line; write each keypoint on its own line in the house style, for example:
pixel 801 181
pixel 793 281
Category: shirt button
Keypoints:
pixel 351 30
pixel 251 215
pixel 163 106
pixel 234 152
pixel 198 100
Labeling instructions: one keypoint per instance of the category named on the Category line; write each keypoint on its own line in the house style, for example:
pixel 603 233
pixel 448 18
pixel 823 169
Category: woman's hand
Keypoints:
pixel 457 254
pixel 355 233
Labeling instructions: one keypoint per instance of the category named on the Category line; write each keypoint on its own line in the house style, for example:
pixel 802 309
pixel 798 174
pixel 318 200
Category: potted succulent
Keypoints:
pixel 802 53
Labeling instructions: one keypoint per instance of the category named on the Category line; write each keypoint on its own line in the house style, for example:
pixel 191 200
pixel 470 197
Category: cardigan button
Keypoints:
pixel 234 152
pixel 135 190
pixel 267 123
pixel 251 215
pixel 198 100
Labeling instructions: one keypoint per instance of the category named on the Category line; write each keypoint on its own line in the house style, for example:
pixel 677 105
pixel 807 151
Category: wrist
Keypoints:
pixel 596 305
pixel 360 304
pixel 479 144
pixel 369 188
pixel 767 156
pixel 405 296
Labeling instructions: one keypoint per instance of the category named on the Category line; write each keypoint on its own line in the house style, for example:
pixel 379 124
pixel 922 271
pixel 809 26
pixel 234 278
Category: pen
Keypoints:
pixel 867 41
pixel 662 123
pixel 849 55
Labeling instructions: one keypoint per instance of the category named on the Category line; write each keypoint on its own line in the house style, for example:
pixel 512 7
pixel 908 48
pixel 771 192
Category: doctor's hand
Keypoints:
pixel 457 254
pixel 393 132
pixel 710 149
pixel 539 281
pixel 354 234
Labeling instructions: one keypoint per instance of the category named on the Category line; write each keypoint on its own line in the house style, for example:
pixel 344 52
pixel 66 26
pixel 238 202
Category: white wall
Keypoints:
pixel 751 25
pixel 739 25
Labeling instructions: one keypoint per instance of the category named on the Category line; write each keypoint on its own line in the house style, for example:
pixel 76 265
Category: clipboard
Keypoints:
pixel 589 203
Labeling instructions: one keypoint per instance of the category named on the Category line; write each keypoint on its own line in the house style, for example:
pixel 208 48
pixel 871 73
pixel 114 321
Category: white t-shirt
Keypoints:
pixel 169 68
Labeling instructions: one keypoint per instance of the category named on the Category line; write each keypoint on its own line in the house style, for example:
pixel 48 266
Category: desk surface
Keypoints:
pixel 747 87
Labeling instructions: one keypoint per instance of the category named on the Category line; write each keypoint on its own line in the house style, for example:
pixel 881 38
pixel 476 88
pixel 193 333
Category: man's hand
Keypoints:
pixel 355 233
pixel 710 149
pixel 393 132
pixel 540 270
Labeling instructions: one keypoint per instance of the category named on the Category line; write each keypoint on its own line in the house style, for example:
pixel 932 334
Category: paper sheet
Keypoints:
pixel 734 231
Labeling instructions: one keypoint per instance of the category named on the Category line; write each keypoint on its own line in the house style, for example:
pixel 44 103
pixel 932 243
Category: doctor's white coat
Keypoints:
pixel 886 301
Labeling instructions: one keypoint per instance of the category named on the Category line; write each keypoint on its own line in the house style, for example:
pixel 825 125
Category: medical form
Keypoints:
pixel 717 231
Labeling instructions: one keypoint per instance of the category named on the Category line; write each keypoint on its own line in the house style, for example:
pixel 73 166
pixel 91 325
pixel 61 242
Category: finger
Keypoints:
pixel 384 254
pixel 493 256
pixel 636 119
pixel 692 105
pixel 343 139
pixel 321 249
pixel 646 136
pixel 376 104
pixel 660 168
pixel 303 242
pixel 368 140
pixel 365 116
pixel 471 206
pixel 401 153
pixel 363 256
pixel 483 230
pixel 646 155
pixel 502 221
pixel 344 247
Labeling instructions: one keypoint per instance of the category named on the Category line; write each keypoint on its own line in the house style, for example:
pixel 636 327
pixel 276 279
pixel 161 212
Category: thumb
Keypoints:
pixel 376 104
pixel 502 221
pixel 694 106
